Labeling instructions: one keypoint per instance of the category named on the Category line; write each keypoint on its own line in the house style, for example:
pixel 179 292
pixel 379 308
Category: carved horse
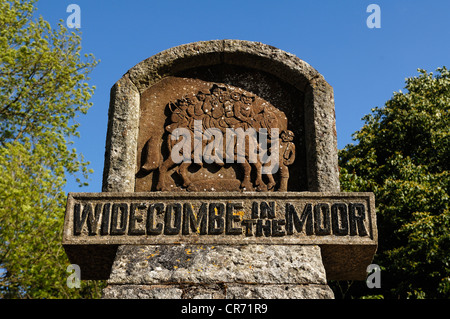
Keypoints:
pixel 168 163
pixel 183 114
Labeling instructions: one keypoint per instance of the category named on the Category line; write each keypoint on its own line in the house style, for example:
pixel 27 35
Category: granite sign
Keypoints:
pixel 226 147
pixel 296 218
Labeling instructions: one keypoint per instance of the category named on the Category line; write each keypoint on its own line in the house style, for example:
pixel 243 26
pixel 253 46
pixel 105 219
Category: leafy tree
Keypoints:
pixel 43 88
pixel 403 156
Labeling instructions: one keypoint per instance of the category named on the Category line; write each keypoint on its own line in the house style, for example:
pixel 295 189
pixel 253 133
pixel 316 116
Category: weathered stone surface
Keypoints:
pixel 320 135
pixel 257 264
pixel 224 291
pixel 123 125
pixel 142 292
pixel 218 272
pixel 204 291
pixel 279 292
pixel 238 52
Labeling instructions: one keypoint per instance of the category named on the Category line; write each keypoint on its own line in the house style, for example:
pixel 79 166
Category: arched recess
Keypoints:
pixel 313 111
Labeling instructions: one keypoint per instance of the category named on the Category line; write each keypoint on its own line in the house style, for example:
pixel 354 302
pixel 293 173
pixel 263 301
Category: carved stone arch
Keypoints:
pixel 315 105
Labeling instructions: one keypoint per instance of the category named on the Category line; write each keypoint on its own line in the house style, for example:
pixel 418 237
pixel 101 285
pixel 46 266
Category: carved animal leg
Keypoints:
pixel 259 184
pixel 283 184
pixel 192 187
pixel 152 156
pixel 246 184
pixel 271 184
pixel 165 166
pixel 183 171
pixel 284 177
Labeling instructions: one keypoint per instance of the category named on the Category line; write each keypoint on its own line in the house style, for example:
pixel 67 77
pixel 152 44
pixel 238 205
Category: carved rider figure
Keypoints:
pixel 179 115
pixel 244 112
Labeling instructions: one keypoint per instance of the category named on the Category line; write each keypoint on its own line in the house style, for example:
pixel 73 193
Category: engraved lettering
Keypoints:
pixel 151 216
pixel 172 219
pixel 357 215
pixel 267 210
pixel 248 224
pixel 119 218
pixel 265 228
pixel 322 223
pixel 259 218
pixel 104 228
pixel 292 219
pixel 339 219
pixel 277 230
pixel 135 219
pixel 86 217
pixel 216 223
pixel 197 224
pixel 231 218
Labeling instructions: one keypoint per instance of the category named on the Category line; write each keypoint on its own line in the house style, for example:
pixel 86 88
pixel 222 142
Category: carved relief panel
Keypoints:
pixel 203 135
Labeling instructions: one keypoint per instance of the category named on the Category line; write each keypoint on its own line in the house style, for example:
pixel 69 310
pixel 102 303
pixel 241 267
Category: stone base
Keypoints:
pixel 219 291
pixel 218 272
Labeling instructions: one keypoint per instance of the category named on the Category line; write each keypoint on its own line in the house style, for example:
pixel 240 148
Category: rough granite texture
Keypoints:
pixel 224 291
pixel 123 126
pixel 262 264
pixel 206 271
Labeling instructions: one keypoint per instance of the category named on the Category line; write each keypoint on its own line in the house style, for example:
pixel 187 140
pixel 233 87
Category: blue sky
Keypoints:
pixel 364 66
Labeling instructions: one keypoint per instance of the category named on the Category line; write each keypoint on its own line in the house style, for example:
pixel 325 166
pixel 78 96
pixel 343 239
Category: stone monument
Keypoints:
pixel 221 181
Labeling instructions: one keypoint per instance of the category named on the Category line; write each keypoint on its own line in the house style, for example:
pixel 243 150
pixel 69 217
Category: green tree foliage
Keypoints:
pixel 403 156
pixel 43 88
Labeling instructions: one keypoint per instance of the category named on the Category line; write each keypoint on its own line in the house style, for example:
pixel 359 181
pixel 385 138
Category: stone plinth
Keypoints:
pixel 218 272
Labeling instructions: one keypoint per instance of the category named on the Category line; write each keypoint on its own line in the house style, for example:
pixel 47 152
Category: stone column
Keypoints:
pixel 218 272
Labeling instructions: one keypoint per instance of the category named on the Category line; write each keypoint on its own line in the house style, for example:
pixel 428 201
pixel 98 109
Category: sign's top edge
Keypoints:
pixel 220 195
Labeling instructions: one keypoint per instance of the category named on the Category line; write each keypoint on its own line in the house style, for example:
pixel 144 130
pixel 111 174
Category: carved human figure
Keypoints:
pixel 244 112
pixel 287 157
pixel 217 98
pixel 230 120
pixel 179 117
pixel 201 97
